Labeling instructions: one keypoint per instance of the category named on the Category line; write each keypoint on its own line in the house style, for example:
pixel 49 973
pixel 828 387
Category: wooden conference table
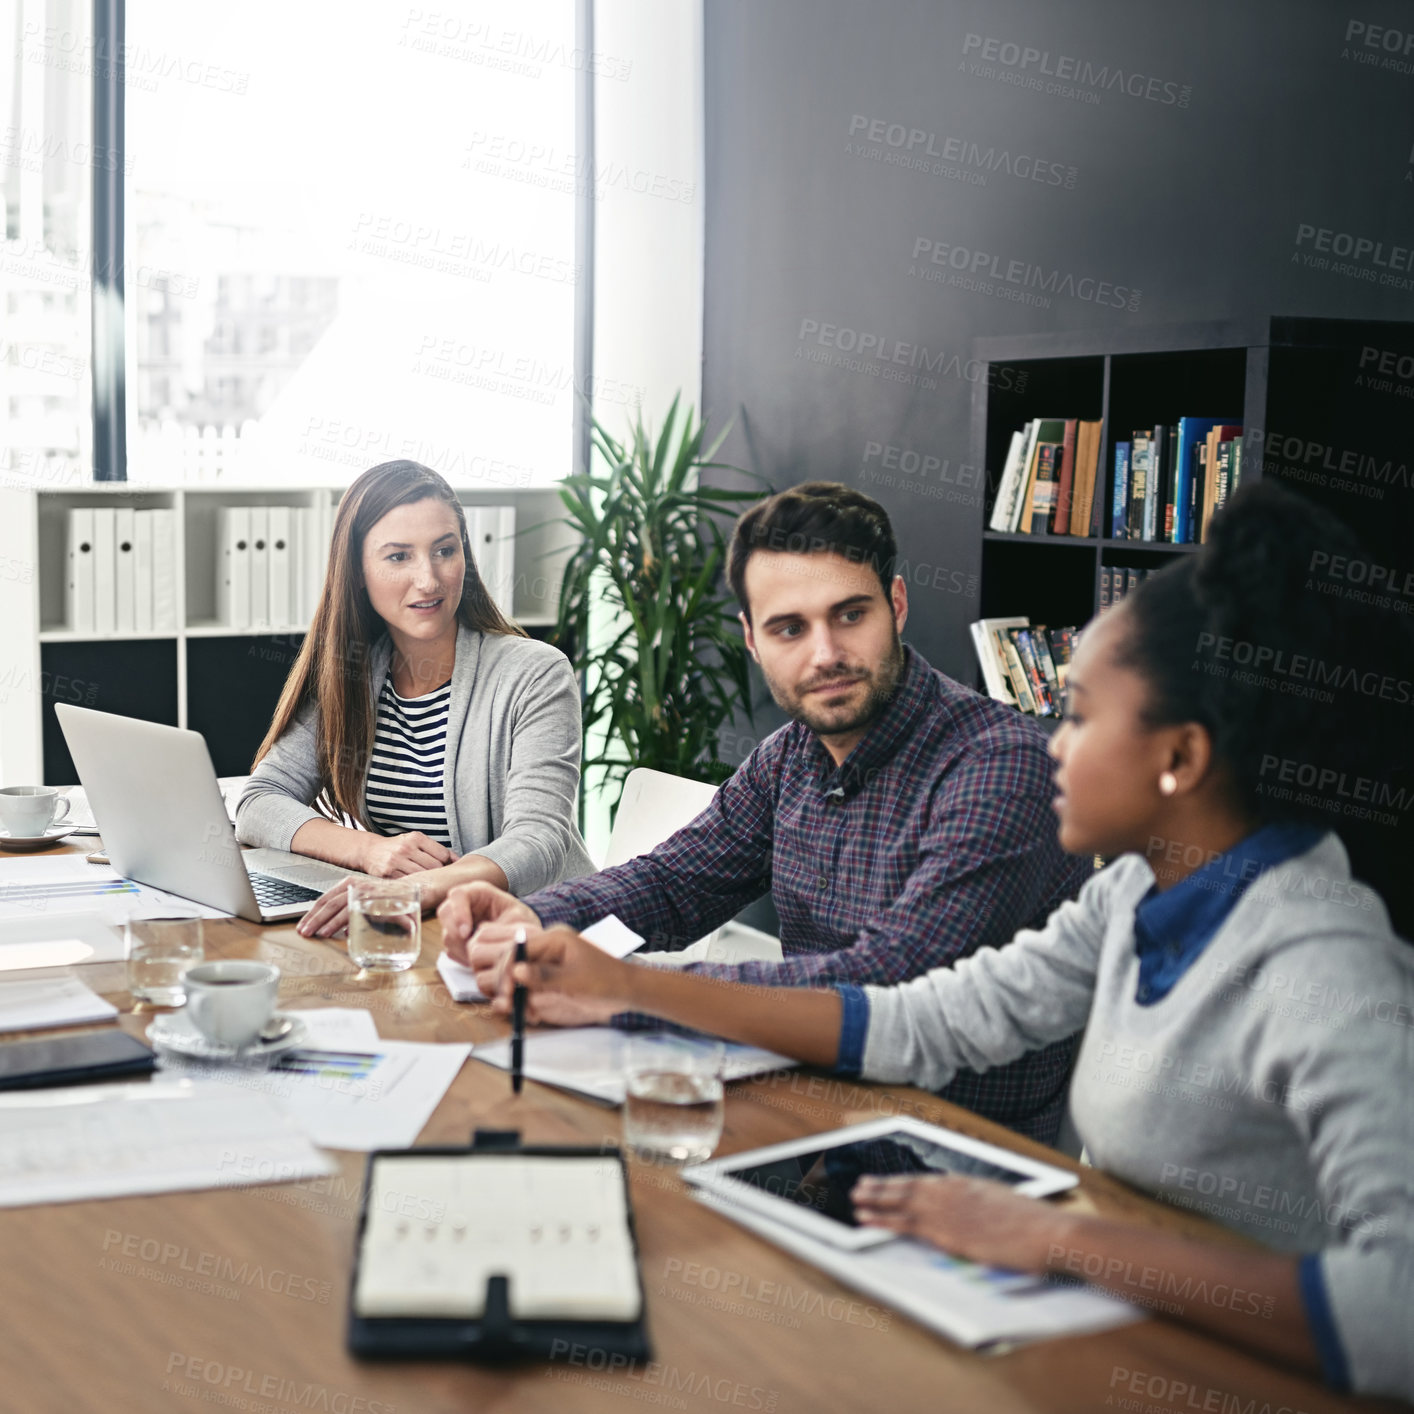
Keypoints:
pixel 106 1308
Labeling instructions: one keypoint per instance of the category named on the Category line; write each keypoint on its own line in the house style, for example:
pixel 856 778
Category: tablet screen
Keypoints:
pixel 821 1179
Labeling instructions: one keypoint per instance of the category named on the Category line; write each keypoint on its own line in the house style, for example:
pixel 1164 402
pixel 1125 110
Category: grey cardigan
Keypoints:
pixel 1270 1089
pixel 512 762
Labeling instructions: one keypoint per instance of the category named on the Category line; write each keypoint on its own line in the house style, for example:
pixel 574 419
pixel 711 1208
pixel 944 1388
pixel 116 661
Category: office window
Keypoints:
pixel 46 166
pixel 351 237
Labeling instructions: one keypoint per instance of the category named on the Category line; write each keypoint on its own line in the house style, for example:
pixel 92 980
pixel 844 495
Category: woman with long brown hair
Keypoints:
pixel 420 731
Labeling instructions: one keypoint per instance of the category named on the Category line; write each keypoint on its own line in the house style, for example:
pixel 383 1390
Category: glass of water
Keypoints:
pixel 159 951
pixel 385 924
pixel 673 1111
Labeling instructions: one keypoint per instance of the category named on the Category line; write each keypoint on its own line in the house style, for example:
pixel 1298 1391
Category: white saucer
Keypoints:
pixel 175 1032
pixel 21 843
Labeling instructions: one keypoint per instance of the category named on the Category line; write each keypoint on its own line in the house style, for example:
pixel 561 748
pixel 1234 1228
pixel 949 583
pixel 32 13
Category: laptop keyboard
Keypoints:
pixel 271 892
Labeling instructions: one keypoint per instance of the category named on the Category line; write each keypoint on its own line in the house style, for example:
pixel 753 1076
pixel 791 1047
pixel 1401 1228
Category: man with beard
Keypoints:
pixel 899 821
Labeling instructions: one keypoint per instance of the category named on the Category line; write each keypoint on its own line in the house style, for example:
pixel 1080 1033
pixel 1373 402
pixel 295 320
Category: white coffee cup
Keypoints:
pixel 229 1002
pixel 27 811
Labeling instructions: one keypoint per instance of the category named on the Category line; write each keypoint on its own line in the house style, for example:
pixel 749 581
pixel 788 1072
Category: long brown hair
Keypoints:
pixel 332 669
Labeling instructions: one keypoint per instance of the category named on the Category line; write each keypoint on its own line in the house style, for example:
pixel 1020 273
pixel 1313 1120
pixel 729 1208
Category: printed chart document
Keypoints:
pixel 343 1087
pixel 588 1060
pixel 109 1141
pixel 610 933
pixel 50 1001
pixel 971 1304
pixel 68 883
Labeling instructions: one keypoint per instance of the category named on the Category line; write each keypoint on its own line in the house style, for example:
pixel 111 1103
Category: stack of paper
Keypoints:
pixel 971 1304
pixel 37 889
pixel 343 1087
pixel 107 1141
pixel 51 1001
pixel 588 1060
pixel 58 940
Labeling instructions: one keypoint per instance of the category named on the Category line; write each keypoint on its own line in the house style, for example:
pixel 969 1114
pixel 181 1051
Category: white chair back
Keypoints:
pixel 653 806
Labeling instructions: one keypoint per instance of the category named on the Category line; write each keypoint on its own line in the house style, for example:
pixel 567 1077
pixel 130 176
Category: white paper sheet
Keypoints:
pixel 970 1304
pixel 334 1026
pixel 50 1001
pixel 353 1091
pixel 68 884
pixel 589 1060
pixel 108 1141
pixel 58 940
pixel 610 933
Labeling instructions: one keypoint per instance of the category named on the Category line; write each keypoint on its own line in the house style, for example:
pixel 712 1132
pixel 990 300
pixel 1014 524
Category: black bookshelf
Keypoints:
pixel 1312 386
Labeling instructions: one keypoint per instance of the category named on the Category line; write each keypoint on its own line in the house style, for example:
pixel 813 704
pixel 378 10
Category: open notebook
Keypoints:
pixel 439 1227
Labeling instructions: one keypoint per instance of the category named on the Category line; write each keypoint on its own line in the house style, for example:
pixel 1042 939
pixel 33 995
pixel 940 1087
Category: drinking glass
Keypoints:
pixel 159 951
pixel 673 1111
pixel 385 924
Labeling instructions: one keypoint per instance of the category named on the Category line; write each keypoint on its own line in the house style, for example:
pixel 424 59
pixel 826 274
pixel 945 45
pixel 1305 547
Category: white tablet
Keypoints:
pixel 805 1183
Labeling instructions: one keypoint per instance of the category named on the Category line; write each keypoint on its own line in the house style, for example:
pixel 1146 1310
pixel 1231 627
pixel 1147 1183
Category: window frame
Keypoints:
pixel 109 320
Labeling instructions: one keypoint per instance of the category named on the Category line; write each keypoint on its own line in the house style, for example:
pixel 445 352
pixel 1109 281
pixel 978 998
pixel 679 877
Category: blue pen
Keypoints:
pixel 518 1020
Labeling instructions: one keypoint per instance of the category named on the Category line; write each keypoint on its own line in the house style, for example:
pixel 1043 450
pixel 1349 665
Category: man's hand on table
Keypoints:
pixel 571 982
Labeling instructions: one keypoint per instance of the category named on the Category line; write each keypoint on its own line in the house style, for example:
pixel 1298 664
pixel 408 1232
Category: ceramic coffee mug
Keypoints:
pixel 230 1001
pixel 27 811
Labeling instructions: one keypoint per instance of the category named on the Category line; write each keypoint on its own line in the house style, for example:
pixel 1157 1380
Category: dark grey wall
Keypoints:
pixel 1254 118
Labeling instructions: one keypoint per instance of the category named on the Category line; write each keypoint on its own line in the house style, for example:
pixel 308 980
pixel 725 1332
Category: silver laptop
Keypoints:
pixel 158 806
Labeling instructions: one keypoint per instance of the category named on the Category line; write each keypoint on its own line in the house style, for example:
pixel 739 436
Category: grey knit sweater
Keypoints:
pixel 512 762
pixel 1272 1088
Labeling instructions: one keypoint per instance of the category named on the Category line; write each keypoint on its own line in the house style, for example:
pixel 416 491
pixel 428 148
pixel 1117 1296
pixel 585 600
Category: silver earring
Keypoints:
pixel 1168 783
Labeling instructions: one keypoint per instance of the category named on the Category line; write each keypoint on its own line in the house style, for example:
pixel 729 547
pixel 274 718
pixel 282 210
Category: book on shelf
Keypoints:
pixel 1016 672
pixel 1189 471
pixel 1045 431
pixel 1043 495
pixel 1045 660
pixel 989 656
pixel 1088 444
pixel 1009 488
pixel 1214 492
pixel 1035 676
pixel 1023 664
pixel 1049 492
pixel 1153 514
pixel 1120 490
pixel 1140 461
pixel 1061 642
pixel 1118 580
pixel 1168 480
pixel 1065 479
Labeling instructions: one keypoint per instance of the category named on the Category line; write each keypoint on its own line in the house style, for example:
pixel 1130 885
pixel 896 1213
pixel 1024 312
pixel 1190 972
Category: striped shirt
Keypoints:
pixel 405 772
pixel 935 838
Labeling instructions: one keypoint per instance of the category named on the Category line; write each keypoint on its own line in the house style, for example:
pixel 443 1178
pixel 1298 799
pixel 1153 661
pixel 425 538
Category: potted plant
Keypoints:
pixel 643 612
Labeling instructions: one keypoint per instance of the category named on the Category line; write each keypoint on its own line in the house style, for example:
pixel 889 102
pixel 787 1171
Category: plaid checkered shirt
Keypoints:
pixel 934 838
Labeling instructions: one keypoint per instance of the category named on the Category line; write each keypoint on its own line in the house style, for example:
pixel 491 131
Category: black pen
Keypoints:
pixel 518 1020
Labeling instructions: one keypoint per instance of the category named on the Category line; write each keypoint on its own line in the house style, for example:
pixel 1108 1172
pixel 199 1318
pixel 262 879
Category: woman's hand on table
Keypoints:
pixel 976 1218
pixel 393 856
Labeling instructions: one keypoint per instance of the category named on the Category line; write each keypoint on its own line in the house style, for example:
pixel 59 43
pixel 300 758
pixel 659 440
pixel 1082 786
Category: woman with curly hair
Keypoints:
pixel 1247 1008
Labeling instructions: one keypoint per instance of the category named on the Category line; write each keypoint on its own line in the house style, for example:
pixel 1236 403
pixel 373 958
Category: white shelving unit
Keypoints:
pixel 33 570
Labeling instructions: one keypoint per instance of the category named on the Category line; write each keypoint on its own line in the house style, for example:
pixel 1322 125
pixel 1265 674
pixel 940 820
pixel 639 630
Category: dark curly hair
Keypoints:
pixel 814 518
pixel 1304 684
